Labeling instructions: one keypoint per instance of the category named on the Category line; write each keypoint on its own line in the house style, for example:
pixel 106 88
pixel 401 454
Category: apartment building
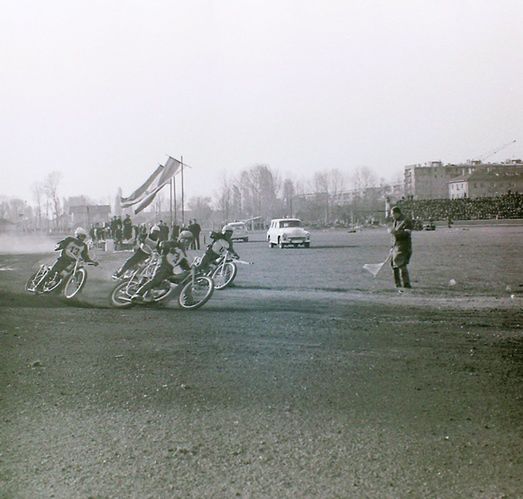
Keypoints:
pixel 431 180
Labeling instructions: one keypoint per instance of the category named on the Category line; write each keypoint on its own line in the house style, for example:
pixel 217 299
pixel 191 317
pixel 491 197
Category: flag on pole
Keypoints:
pixel 374 268
pixel 142 190
pixel 170 169
pixel 145 194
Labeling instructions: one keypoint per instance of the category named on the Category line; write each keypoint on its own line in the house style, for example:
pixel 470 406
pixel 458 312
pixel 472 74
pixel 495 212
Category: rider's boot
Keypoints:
pixel 178 278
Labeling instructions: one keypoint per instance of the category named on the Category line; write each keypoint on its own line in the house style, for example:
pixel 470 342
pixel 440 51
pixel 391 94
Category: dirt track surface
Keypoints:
pixel 307 379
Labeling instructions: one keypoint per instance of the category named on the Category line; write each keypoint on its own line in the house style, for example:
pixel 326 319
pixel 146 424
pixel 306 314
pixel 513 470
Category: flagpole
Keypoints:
pixel 171 200
pixel 183 208
pixel 174 200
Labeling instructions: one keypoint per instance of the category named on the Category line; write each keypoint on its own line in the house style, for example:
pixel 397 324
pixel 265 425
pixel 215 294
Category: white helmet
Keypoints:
pixel 155 228
pixel 185 235
pixel 79 232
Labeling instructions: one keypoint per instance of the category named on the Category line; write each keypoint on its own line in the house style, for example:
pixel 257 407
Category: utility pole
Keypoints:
pixel 183 207
pixel 171 200
pixel 174 200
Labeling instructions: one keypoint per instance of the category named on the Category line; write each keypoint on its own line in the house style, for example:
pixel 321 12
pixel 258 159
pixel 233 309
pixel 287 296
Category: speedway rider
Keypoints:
pixel 220 242
pixel 173 254
pixel 145 249
pixel 72 248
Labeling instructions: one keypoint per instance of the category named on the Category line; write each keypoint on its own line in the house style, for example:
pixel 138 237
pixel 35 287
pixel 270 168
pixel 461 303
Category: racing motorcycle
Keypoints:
pixel 69 281
pixel 223 270
pixel 195 288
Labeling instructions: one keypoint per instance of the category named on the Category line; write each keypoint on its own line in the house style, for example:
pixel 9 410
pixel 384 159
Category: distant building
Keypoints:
pixel 85 215
pixel 431 180
pixel 7 226
pixel 391 191
pixel 482 184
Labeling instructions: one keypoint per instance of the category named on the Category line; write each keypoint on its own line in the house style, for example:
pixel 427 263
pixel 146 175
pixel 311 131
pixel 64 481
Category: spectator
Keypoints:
pixel 195 229
pixel 127 227
pixel 164 231
pixel 118 235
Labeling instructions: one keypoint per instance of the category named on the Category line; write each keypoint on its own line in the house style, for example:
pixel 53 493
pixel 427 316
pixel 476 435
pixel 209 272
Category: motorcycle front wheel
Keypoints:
pixel 224 274
pixel 74 284
pixel 196 293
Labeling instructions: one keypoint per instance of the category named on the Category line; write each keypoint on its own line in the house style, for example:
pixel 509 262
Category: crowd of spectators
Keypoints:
pixel 116 229
pixel 509 205
pixel 126 233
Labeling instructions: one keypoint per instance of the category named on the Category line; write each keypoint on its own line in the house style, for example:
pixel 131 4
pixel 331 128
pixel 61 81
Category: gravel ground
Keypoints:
pixel 308 378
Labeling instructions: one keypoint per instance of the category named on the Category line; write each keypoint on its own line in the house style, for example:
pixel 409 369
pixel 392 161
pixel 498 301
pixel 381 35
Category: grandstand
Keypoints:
pixel 506 206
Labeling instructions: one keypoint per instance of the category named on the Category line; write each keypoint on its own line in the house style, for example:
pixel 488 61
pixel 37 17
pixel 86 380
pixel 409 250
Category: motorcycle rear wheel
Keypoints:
pixel 224 274
pixel 194 295
pixel 33 280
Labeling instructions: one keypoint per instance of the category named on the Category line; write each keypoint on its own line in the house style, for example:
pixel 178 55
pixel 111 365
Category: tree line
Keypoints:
pixel 257 192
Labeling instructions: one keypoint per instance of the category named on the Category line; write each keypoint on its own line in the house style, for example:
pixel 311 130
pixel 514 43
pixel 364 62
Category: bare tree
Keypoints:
pixel 223 198
pixel 320 182
pixel 50 187
pixel 38 196
pixel 288 192
pixel 335 182
pixel 158 203
pixel 321 191
pixel 200 208
pixel 364 178
pixel 264 186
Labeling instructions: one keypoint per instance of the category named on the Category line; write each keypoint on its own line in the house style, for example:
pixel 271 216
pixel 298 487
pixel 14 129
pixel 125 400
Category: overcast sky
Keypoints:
pixel 103 90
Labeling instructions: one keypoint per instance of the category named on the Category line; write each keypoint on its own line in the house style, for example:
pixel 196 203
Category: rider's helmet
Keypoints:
pixel 154 232
pixel 80 233
pixel 185 238
pixel 227 231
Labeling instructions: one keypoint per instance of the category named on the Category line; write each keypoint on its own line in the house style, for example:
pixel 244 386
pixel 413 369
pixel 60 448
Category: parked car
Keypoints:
pixel 239 231
pixel 286 232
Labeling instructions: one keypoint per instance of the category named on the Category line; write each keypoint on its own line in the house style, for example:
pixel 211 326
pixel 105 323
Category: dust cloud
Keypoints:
pixel 18 244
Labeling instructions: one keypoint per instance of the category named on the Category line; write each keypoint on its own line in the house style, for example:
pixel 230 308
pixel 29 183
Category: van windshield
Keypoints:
pixel 290 223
